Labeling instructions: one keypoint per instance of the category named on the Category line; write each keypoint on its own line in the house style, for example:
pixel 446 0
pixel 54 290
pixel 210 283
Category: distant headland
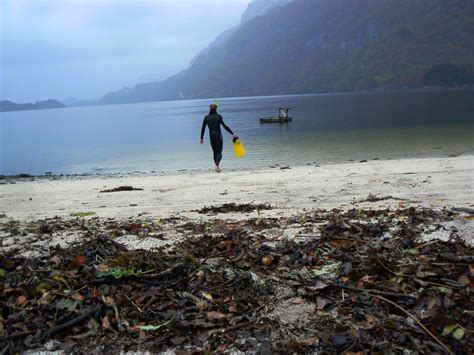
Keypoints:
pixel 38 105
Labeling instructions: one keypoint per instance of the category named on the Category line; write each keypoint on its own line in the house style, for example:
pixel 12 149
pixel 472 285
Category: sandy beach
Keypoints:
pixel 401 235
pixel 431 182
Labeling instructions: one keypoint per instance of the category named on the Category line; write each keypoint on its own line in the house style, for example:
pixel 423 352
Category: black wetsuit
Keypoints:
pixel 214 121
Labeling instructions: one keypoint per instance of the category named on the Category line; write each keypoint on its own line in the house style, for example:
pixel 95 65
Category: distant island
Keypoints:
pixel 6 105
pixel 38 105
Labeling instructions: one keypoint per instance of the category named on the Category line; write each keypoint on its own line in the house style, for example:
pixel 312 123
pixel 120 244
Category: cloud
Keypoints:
pixel 50 47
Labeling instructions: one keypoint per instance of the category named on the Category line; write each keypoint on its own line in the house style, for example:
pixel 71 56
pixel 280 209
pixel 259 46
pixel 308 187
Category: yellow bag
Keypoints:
pixel 239 149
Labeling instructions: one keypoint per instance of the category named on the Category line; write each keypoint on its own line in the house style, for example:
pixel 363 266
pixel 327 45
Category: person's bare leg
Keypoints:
pixel 218 170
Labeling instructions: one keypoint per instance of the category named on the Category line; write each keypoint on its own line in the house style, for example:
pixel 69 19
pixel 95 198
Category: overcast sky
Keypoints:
pixel 85 48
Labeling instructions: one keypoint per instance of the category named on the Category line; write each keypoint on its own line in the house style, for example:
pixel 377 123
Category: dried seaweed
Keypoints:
pixel 362 281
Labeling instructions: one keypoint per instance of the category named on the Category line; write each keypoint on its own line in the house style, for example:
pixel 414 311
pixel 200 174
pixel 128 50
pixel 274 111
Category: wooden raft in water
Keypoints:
pixel 283 117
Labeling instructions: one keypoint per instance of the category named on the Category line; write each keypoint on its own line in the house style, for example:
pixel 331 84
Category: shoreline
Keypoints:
pixel 59 176
pixel 430 182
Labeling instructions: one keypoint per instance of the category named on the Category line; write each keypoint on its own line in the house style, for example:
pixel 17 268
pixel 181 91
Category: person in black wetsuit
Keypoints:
pixel 214 121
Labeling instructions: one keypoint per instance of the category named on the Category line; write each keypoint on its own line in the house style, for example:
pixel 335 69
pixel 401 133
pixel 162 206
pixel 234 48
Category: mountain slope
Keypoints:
pixel 308 46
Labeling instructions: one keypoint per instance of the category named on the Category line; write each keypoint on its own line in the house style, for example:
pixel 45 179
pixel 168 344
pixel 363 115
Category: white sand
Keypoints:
pixel 435 182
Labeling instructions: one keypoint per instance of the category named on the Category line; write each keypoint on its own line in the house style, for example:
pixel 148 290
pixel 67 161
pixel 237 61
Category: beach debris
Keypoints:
pixel 375 198
pixel 81 214
pixel 122 188
pixel 233 207
pixel 366 282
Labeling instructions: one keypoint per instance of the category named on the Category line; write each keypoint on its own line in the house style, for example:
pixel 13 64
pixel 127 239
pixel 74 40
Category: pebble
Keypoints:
pixel 338 340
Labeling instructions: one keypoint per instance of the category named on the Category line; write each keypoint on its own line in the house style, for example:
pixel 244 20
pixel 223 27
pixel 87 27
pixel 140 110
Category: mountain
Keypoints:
pixel 75 102
pixel 255 8
pixel 38 105
pixel 261 7
pixel 171 88
pixel 309 46
pixel 47 104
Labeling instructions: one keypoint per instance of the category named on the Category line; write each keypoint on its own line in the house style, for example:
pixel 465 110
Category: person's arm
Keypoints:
pixel 225 126
pixel 203 129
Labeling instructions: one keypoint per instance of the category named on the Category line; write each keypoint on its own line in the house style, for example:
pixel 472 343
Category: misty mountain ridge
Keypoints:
pixel 254 9
pixel 313 46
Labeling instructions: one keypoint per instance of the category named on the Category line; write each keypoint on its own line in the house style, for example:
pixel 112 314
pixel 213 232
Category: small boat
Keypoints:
pixel 283 117
pixel 272 119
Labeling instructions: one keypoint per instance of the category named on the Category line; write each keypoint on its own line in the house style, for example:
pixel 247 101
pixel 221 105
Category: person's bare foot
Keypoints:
pixel 218 170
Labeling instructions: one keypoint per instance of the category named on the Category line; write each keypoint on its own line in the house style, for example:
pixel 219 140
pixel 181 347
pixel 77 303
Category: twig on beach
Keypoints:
pixel 213 256
pixel 393 272
pixel 417 322
pixel 373 291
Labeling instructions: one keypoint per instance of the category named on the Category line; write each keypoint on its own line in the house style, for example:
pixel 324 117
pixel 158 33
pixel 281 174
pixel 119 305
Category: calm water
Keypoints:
pixel 164 136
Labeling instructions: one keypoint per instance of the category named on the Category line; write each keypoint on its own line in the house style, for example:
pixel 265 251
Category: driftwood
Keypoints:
pixel 69 324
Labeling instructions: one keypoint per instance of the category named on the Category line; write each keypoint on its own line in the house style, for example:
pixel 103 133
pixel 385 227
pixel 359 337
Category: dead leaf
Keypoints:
pixel 297 345
pixel 96 293
pixel 297 300
pixel 78 261
pixel 267 260
pixel 200 275
pixel 309 341
pixel 78 297
pixel 423 259
pixel 134 227
pixel 294 345
pixel 370 320
pixel 214 315
pixel 207 295
pixel 464 280
pixel 105 322
pixel 201 305
pixel 55 260
pixel 109 301
pixel 366 280
pixel 45 298
pixel 228 247
pixel 101 267
pixel 21 300
pixel 344 278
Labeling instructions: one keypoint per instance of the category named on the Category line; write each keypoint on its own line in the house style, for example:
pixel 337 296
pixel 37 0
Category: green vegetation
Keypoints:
pixel 119 272
pixel 447 74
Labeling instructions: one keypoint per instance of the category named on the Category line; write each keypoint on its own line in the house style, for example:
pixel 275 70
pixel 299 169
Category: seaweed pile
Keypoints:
pixel 345 282
pixel 233 207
